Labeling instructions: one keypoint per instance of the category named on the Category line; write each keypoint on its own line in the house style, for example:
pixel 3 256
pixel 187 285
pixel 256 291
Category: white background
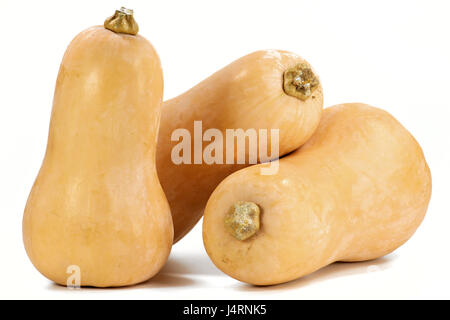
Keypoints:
pixel 391 54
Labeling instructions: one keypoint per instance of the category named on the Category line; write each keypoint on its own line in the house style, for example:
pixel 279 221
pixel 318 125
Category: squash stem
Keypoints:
pixel 300 81
pixel 122 22
pixel 243 220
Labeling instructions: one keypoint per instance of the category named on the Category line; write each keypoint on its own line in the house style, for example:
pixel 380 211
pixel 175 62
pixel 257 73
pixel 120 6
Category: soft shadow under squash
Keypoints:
pixel 334 270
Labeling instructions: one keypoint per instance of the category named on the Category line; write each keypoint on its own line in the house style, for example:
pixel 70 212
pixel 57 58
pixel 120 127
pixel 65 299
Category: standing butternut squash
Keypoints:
pixel 97 203
pixel 263 90
pixel 357 190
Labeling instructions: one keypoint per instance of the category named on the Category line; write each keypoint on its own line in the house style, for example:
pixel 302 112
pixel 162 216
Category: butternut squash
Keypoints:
pixel 97 205
pixel 357 190
pixel 264 90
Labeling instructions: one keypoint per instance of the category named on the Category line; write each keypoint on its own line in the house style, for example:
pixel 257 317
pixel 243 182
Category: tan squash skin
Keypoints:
pixel 97 202
pixel 248 93
pixel 357 190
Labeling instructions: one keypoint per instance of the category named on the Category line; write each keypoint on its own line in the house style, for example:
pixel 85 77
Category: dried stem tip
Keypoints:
pixel 242 221
pixel 300 81
pixel 122 22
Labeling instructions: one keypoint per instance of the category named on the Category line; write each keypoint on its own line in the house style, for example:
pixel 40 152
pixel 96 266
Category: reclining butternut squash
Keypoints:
pixel 357 190
pixel 263 90
pixel 97 203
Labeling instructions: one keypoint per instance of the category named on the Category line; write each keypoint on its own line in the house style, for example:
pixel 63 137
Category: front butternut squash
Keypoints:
pixel 357 190
pixel 97 204
pixel 267 90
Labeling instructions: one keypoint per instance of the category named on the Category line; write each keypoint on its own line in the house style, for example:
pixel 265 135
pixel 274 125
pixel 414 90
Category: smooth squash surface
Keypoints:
pixel 97 202
pixel 246 94
pixel 357 190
